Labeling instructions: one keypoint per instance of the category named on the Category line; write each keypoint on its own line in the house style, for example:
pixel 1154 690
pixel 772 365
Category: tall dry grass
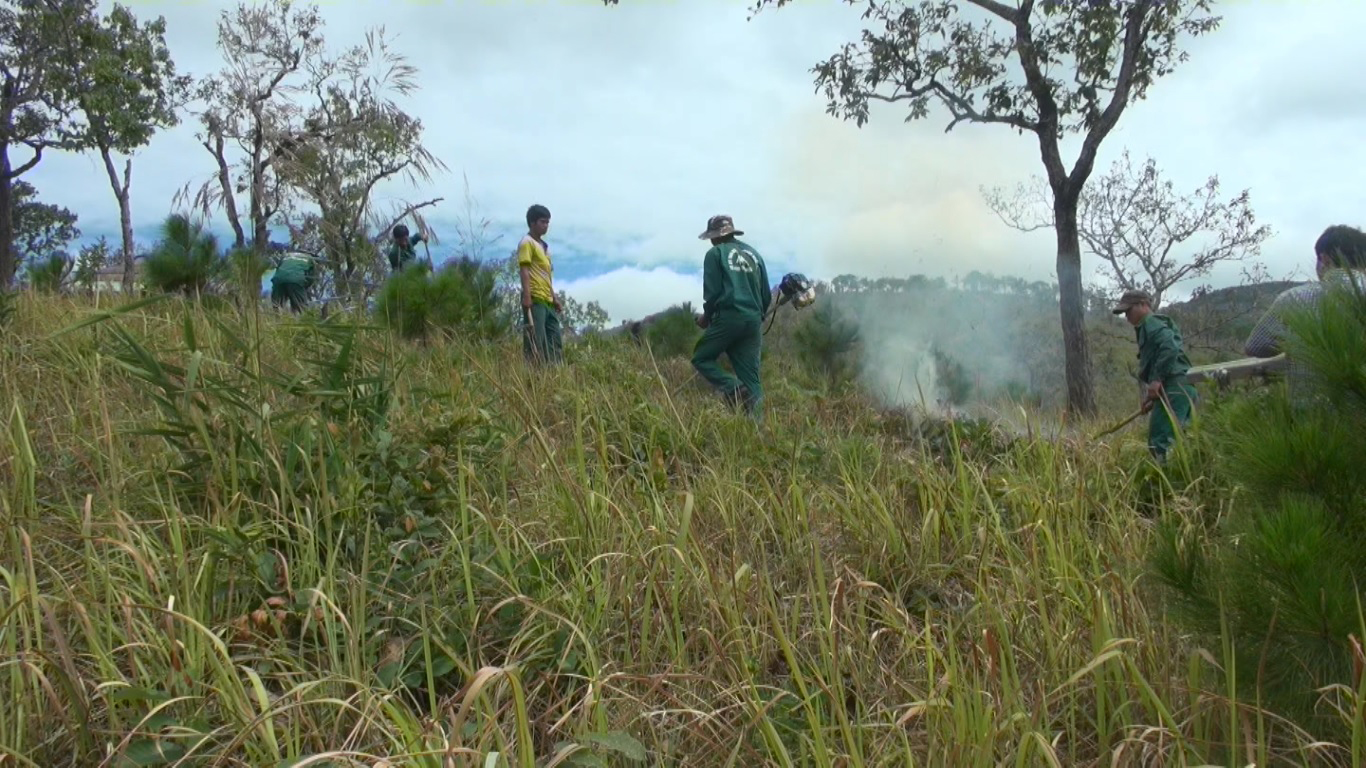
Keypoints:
pixel 237 539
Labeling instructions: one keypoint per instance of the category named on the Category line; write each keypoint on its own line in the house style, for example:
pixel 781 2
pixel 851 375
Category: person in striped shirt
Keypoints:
pixel 1340 255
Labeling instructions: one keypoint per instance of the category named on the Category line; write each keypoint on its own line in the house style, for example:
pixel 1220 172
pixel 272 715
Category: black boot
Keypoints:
pixel 739 397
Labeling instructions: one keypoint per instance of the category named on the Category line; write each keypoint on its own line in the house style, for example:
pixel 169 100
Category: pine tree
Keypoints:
pixel 827 345
pixel 1283 572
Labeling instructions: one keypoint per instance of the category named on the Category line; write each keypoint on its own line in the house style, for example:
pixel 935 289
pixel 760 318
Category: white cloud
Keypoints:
pixel 630 293
pixel 636 123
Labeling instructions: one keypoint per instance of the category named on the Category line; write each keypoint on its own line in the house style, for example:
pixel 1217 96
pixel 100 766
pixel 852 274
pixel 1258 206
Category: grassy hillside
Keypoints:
pixel 237 539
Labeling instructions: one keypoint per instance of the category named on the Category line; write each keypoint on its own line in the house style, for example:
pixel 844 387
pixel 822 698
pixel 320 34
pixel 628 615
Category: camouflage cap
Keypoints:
pixel 719 226
pixel 1132 299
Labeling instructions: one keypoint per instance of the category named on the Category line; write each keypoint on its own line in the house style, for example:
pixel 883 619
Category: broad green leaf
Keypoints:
pixel 618 741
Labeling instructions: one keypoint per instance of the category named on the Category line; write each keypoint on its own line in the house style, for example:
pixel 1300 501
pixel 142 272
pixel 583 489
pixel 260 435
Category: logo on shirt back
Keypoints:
pixel 740 260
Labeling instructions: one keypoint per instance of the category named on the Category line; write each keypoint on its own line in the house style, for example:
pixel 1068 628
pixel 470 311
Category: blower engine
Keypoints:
pixel 795 289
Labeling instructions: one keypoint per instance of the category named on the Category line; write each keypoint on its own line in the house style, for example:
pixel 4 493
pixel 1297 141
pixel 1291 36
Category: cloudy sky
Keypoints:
pixel 634 124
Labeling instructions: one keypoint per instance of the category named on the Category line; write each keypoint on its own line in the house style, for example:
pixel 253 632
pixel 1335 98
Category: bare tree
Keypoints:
pixel 353 140
pixel 1145 233
pixel 1080 64
pixel 272 52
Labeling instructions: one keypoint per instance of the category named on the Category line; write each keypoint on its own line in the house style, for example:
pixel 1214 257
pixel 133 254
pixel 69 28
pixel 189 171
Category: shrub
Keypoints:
pixel 827 345
pixel 185 260
pixel 49 275
pixel 1284 572
pixel 248 267
pixel 674 333
pixel 955 384
pixel 460 298
pixel 89 262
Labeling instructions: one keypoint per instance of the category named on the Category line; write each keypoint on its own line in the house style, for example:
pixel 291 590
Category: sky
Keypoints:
pixel 636 123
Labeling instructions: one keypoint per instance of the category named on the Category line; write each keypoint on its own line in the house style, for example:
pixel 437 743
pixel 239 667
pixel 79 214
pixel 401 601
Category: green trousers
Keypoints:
pixel 740 338
pixel 293 293
pixel 542 340
pixel 1161 430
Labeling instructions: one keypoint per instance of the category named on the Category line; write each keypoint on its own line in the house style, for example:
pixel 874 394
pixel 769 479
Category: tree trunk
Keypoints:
pixel 121 192
pixel 7 265
pixel 1081 395
pixel 225 183
pixel 260 233
pixel 130 274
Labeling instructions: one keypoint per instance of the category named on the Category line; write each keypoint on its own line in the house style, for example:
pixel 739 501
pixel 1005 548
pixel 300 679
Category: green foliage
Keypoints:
pixel 581 317
pixel 78 81
pixel 40 229
pixel 827 344
pixel 89 262
pixel 955 383
pixel 674 333
pixel 931 50
pixel 351 140
pixel 1282 576
pixel 123 79
pixel 376 552
pixel 48 275
pixel 185 260
pixel 247 266
pixel 458 300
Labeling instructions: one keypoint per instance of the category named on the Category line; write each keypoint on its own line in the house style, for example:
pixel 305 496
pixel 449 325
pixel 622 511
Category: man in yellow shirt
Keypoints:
pixel 541 338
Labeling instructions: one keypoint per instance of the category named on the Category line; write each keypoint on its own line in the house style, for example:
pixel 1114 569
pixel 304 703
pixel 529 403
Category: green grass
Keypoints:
pixel 238 539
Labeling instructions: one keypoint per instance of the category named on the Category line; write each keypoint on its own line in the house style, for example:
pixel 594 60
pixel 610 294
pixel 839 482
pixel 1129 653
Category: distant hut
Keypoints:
pixel 109 279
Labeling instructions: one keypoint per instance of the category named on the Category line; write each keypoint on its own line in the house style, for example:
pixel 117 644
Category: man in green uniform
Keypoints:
pixel 291 282
pixel 735 298
pixel 1162 366
pixel 401 252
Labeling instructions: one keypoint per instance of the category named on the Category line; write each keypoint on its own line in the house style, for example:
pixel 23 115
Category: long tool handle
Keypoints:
pixel 531 327
pixel 1120 425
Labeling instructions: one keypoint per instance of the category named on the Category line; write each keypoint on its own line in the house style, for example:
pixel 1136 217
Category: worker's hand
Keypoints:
pixel 1148 404
pixel 558 306
pixel 1155 390
pixel 526 301
pixel 703 321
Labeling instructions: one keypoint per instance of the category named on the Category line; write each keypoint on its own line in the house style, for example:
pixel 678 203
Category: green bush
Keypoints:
pixel 89 262
pixel 674 333
pixel 458 299
pixel 955 383
pixel 827 345
pixel 247 267
pixel 185 260
pixel 49 275
pixel 1281 576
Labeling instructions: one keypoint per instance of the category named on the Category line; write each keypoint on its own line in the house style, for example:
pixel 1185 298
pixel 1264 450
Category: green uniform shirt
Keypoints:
pixel 1160 353
pixel 401 257
pixel 735 279
pixel 294 271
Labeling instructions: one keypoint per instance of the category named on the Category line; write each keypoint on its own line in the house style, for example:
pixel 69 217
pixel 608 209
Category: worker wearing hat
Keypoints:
pixel 1162 366
pixel 735 298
